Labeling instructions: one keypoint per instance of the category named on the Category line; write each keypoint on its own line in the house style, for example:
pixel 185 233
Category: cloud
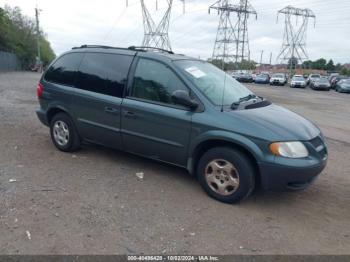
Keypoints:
pixel 109 22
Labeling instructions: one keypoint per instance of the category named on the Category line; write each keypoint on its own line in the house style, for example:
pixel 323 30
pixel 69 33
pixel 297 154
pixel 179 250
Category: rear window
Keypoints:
pixel 104 73
pixel 64 69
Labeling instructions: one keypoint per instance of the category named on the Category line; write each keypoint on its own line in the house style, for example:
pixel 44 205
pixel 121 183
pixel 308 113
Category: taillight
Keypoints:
pixel 40 90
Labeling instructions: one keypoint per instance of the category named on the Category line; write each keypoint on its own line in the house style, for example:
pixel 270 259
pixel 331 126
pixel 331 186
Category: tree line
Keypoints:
pixel 319 64
pixel 18 35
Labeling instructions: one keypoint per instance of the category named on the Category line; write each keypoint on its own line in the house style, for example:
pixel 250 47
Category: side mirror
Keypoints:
pixel 183 98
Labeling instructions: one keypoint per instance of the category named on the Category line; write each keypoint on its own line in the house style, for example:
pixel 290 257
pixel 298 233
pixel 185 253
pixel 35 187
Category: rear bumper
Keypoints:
pixel 42 117
pixel 278 177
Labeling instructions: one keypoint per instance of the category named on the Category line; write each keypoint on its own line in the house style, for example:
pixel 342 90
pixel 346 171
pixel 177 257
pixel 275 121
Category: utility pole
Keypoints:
pixel 294 39
pixel 156 35
pixel 232 43
pixel 37 12
pixel 270 58
pixel 261 57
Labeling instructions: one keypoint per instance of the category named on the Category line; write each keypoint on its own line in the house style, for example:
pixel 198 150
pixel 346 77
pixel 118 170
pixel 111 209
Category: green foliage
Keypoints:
pixel 18 35
pixel 330 65
pixel 322 64
pixel 345 71
pixel 244 65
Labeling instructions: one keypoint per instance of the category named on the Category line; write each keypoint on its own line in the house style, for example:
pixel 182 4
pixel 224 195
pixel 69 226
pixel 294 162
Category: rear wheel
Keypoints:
pixel 63 133
pixel 226 174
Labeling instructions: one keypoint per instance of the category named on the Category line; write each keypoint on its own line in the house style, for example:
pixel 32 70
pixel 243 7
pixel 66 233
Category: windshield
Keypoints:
pixel 298 78
pixel 315 76
pixel 210 80
pixel 278 76
pixel 323 80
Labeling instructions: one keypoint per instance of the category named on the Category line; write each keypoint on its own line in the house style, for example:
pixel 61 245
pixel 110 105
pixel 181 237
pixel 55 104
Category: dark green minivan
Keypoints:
pixel 182 111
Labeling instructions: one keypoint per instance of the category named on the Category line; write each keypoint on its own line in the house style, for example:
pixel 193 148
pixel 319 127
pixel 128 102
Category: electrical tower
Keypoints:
pixel 294 38
pixel 157 35
pixel 232 44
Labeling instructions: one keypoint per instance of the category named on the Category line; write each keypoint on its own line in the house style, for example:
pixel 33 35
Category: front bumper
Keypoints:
pixel 279 177
pixel 295 174
pixel 277 82
pixel 322 87
pixel 344 90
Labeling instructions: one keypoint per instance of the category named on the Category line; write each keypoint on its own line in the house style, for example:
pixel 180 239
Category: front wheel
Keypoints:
pixel 226 174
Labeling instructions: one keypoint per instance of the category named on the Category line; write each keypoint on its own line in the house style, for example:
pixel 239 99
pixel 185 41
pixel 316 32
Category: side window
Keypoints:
pixel 64 69
pixel 155 82
pixel 104 73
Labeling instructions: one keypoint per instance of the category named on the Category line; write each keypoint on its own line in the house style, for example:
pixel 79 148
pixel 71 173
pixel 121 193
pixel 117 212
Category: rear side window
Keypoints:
pixel 104 73
pixel 64 69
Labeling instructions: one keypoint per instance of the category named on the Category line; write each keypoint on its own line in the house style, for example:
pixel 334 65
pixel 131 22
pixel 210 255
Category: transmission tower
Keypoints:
pixel 294 38
pixel 157 35
pixel 232 44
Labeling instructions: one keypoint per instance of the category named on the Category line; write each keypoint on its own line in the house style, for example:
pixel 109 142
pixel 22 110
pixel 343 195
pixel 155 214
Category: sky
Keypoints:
pixel 109 22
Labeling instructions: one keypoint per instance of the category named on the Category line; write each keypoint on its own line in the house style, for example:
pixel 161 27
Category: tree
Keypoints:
pixel 330 65
pixel 18 35
pixel 320 64
pixel 345 71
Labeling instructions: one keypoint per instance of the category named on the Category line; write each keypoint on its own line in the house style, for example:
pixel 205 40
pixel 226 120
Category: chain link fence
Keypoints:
pixel 9 62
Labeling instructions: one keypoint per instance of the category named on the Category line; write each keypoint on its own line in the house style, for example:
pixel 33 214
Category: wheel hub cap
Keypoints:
pixel 61 133
pixel 222 177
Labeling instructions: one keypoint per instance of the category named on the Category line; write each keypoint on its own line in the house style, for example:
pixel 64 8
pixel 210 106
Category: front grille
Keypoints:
pixel 316 142
pixel 319 146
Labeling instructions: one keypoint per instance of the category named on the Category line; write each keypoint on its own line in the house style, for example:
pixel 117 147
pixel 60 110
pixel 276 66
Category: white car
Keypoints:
pixel 278 79
pixel 298 81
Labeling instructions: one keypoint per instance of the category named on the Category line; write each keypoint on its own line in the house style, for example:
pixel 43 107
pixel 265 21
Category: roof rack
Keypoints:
pixel 133 48
pixel 145 48
pixel 100 46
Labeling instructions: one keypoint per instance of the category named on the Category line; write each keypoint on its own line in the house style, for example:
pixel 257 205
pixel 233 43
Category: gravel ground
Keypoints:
pixel 91 202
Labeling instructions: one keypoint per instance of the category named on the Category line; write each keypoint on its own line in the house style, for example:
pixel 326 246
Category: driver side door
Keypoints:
pixel 152 125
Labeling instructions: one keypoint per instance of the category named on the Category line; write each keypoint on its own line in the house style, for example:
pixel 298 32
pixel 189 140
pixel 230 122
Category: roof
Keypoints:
pixel 132 50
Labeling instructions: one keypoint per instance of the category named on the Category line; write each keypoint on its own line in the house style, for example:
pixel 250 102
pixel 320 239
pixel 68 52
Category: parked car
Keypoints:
pixel 278 79
pixel 343 86
pixel 321 83
pixel 312 77
pixel 336 79
pixel 298 81
pixel 262 79
pixel 181 111
pixel 245 78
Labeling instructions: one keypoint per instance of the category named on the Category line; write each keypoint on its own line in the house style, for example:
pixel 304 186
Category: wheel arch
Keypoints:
pixel 202 147
pixel 54 111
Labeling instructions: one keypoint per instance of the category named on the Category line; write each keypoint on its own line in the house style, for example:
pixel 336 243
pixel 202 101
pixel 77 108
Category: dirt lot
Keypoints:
pixel 92 202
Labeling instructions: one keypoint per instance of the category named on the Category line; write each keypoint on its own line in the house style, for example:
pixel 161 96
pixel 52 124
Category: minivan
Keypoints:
pixel 182 111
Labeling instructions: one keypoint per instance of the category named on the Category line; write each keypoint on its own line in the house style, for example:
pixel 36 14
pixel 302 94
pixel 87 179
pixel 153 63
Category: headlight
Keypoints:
pixel 289 149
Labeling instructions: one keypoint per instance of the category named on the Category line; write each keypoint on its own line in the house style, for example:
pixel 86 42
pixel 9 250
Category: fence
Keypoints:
pixel 9 62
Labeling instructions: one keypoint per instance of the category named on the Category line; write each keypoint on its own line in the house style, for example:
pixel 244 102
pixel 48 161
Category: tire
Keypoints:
pixel 64 134
pixel 242 169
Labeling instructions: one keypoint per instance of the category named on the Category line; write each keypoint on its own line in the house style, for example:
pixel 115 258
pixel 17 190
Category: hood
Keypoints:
pixel 275 123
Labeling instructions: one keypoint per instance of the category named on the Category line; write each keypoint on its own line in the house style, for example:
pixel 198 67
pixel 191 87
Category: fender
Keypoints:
pixel 230 137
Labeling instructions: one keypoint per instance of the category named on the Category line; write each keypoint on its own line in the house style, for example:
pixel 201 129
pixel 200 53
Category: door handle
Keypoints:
pixel 111 110
pixel 129 114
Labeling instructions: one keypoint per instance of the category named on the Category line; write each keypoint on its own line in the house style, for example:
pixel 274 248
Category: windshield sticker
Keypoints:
pixel 195 72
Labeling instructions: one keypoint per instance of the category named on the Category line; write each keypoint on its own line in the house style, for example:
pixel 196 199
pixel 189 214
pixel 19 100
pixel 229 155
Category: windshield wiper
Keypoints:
pixel 243 99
